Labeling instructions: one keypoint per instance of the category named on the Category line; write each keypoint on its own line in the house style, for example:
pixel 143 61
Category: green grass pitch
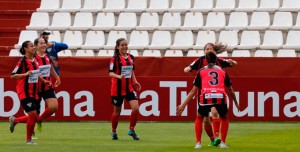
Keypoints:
pixel 155 137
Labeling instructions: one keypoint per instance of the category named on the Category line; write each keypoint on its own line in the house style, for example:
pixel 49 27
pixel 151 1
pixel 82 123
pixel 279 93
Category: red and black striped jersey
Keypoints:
pixel 45 64
pixel 211 81
pixel 27 86
pixel 121 87
pixel 201 62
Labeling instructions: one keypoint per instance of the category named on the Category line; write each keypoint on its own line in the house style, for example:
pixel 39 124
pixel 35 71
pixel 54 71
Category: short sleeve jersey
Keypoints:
pixel 121 87
pixel 201 62
pixel 44 61
pixel 25 87
pixel 211 82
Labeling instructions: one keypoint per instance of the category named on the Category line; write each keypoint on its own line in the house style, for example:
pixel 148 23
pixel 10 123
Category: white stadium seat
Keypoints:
pixel 26 35
pixel 230 38
pixel 49 6
pixel 106 53
pixel 82 21
pixel 192 21
pixel 180 6
pixel 70 6
pixel 204 37
pixel 224 6
pixel 173 53
pixel 104 21
pixel 138 40
pixel 92 6
pixel 247 6
pixel 54 36
pixel 87 53
pixel 240 53
pixel 282 21
pixel 290 5
pixel 195 53
pixel 272 40
pixel 202 6
pixel 126 22
pixel 259 21
pixel 286 53
pixel 158 6
pixel 249 40
pixel 114 6
pixel 183 40
pixel 160 40
pixel 73 39
pixel 148 21
pixel 152 53
pixel 14 52
pixel 94 40
pixel 136 6
pixel 268 6
pixel 133 52
pixel 112 38
pixel 237 21
pixel 38 21
pixel 223 54
pixel 170 21
pixel 263 53
pixel 292 40
pixel 215 21
pixel 60 21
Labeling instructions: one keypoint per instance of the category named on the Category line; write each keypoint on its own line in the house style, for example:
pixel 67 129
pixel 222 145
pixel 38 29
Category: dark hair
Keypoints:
pixel 218 47
pixel 117 51
pixel 210 57
pixel 36 41
pixel 24 45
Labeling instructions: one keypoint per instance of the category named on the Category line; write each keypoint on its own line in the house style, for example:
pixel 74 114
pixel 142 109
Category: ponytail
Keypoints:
pixel 24 45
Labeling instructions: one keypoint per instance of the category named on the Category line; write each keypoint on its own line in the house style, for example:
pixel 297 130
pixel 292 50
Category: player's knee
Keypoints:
pixel 53 109
pixel 135 109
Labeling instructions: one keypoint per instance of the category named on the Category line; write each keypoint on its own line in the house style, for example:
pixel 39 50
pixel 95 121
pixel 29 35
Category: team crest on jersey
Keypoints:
pixel 29 104
pixel 115 101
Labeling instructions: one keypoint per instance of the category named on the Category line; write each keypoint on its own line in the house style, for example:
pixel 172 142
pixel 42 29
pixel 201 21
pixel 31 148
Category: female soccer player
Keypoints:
pixel 27 74
pixel 198 64
pixel 209 88
pixel 123 86
pixel 46 92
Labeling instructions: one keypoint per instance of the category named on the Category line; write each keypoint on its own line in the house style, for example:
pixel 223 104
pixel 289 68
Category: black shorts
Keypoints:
pixel 30 104
pixel 48 94
pixel 205 109
pixel 118 100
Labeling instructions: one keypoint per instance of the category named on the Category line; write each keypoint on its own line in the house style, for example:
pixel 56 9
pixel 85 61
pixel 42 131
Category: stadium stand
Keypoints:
pixel 247 6
pixel 156 24
pixel 92 6
pixel 105 53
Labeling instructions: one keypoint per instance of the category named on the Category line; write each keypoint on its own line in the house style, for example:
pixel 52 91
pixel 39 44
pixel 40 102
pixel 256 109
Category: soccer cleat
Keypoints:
pixel 217 141
pixel 211 144
pixel 133 135
pixel 39 127
pixel 198 145
pixel 12 124
pixel 30 142
pixel 223 145
pixel 114 136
